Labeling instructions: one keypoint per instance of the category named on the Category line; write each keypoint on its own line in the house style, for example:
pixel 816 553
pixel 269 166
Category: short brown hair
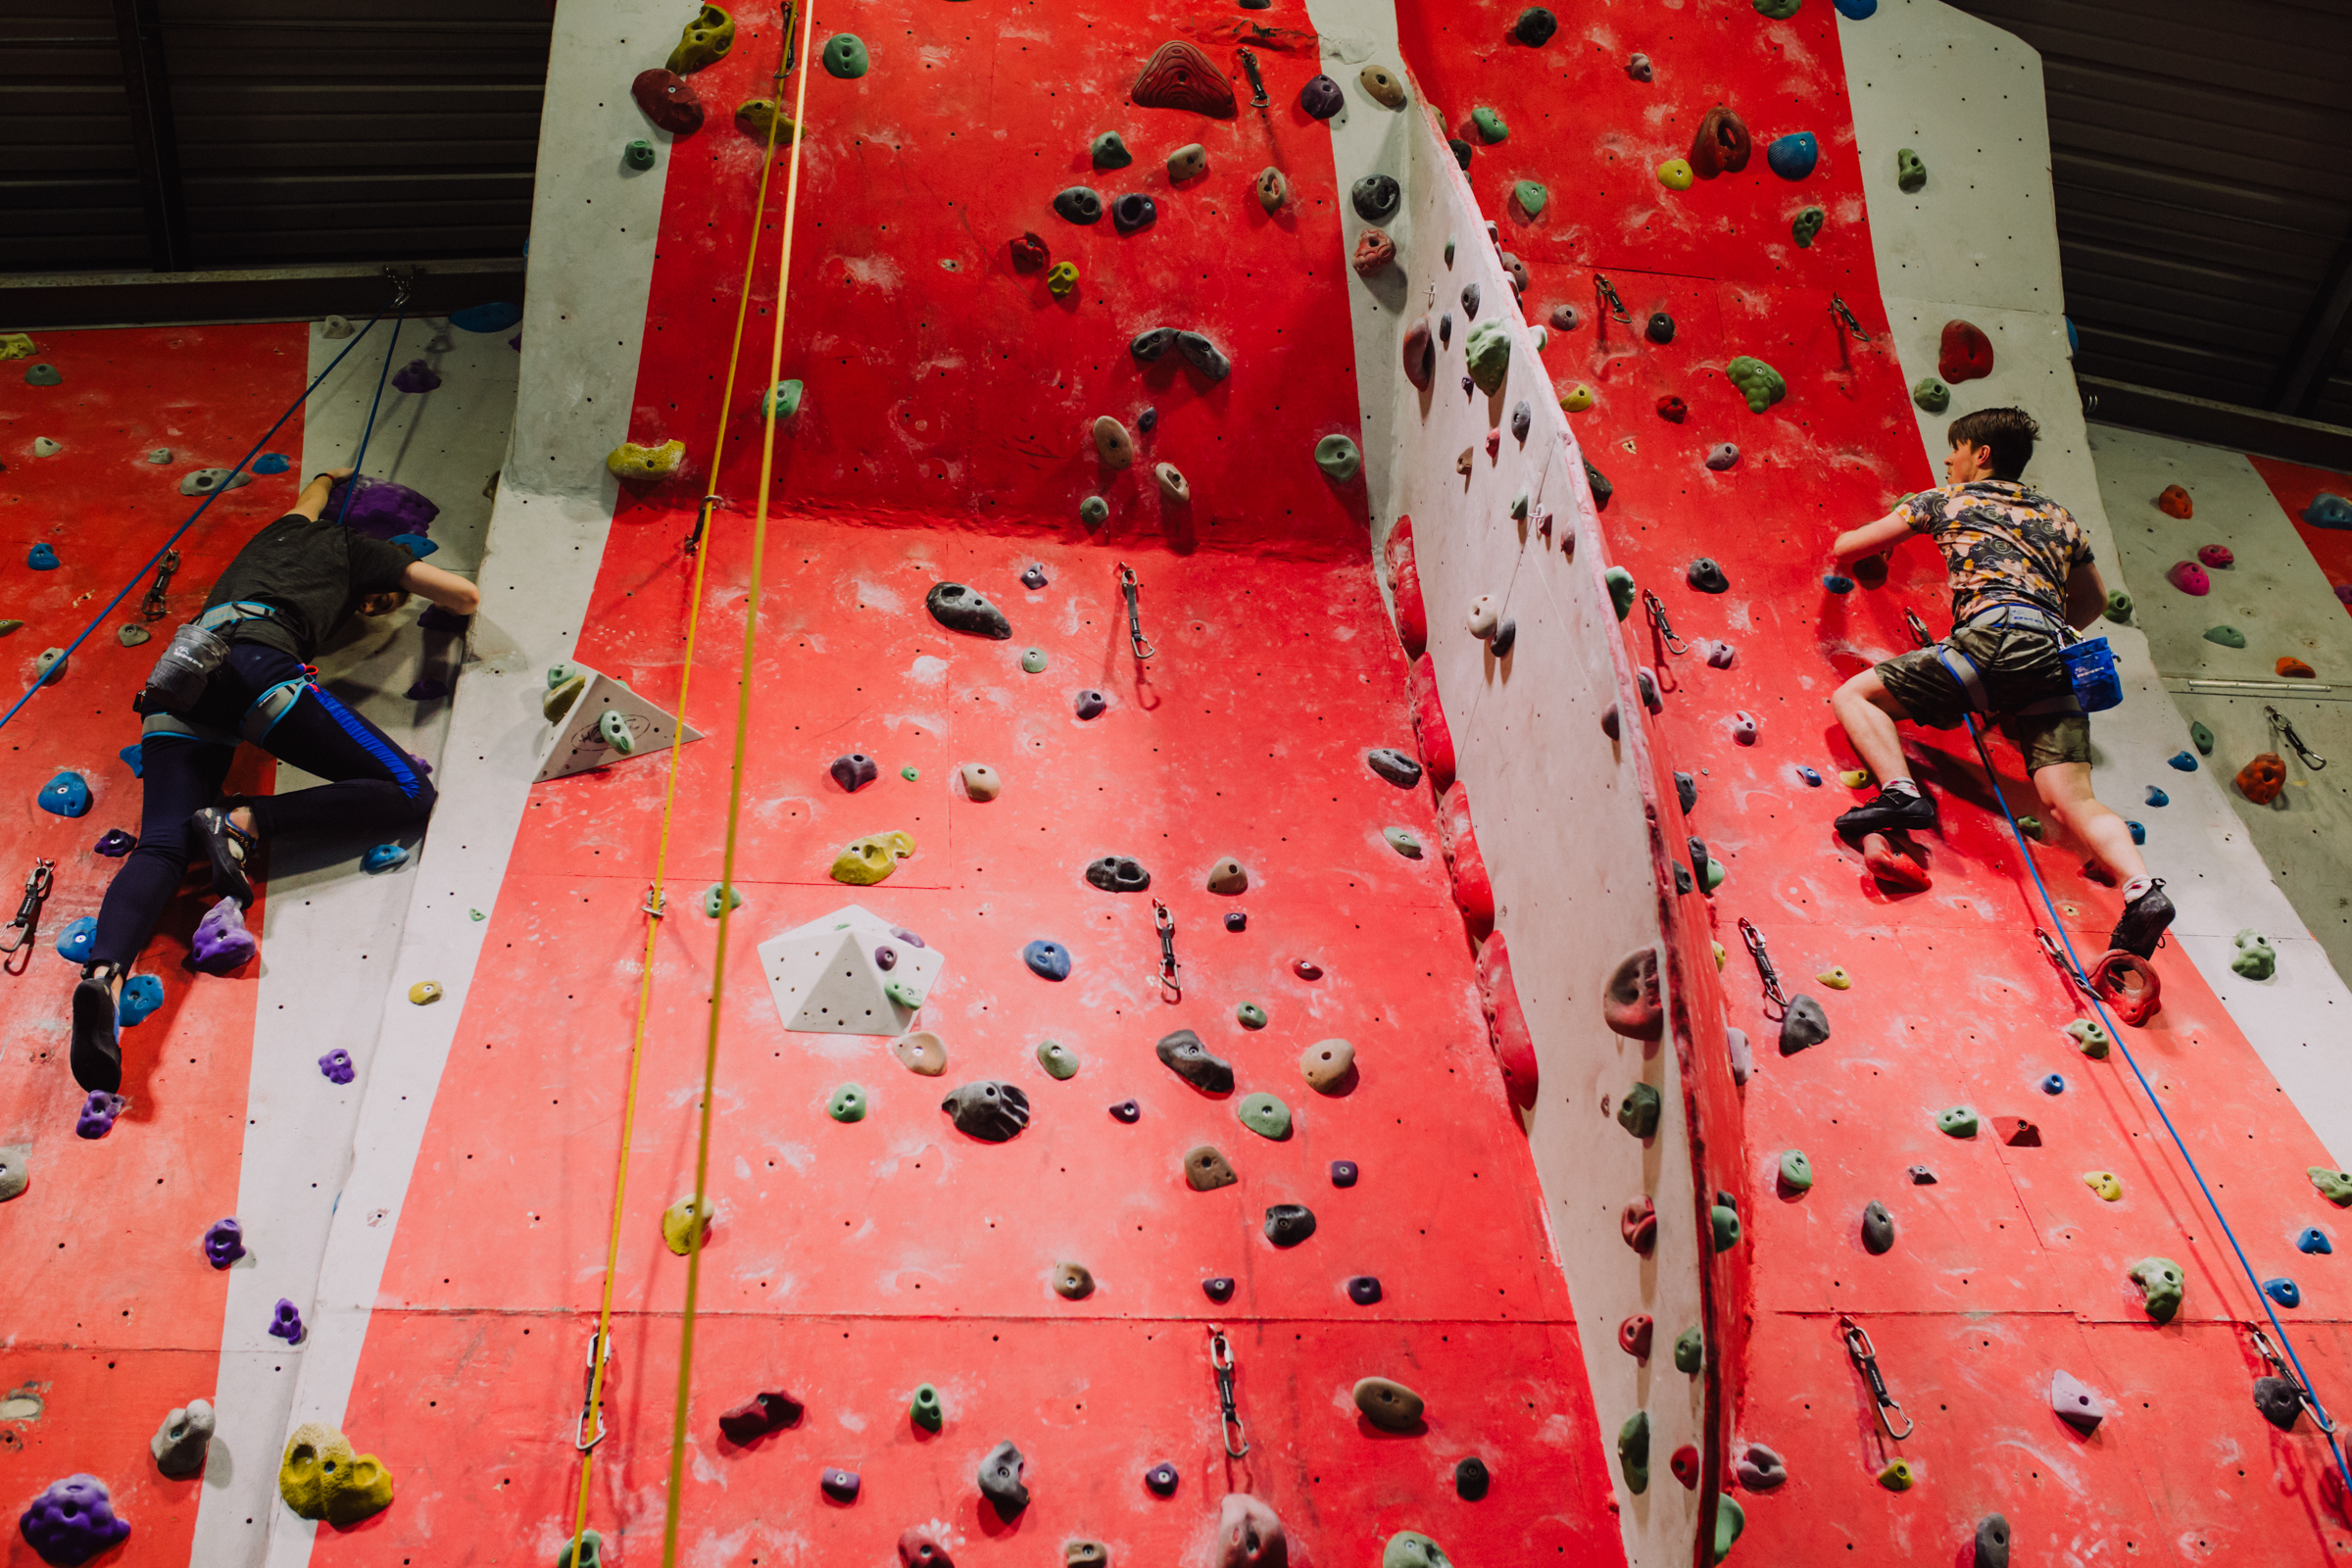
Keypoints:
pixel 2010 432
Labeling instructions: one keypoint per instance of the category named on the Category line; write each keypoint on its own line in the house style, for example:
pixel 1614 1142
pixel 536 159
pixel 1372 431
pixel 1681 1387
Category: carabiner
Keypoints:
pixel 18 931
pixel 1617 311
pixel 1657 617
pixel 1257 83
pixel 702 517
pixel 2286 731
pixel 2286 1374
pixel 152 606
pixel 1755 950
pixel 1135 615
pixel 1843 312
pixel 592 1401
pixel 1220 1358
pixel 1866 1358
pixel 1166 923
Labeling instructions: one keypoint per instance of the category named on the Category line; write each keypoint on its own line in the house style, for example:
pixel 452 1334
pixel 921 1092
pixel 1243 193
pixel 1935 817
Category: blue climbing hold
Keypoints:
pixel 2286 1292
pixel 2054 1084
pixel 415 544
pixel 1835 584
pixel 40 557
pixel 2183 761
pixel 2074 341
pixel 384 857
pixel 1812 779
pixel 494 318
pixel 1857 9
pixel 2329 510
pixel 1147 420
pixel 273 462
pixel 142 994
pixel 2139 834
pixel 1793 157
pixel 66 795
pixel 2314 1240
pixel 73 942
pixel 137 757
pixel 2157 797
pixel 1050 960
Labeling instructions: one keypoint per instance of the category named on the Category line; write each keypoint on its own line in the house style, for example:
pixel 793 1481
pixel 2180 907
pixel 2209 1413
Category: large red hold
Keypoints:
pixel 1412 616
pixel 1181 76
pixel 668 101
pixel 1429 723
pixel 1631 1004
pixel 1507 1023
pixel 1722 144
pixel 1965 354
pixel 1473 890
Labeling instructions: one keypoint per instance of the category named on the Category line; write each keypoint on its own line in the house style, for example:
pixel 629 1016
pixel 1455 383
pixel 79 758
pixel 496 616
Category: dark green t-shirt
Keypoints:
pixel 315 574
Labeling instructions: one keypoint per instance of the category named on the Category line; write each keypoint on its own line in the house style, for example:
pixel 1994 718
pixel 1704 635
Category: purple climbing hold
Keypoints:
pixel 1218 1290
pixel 886 958
pixel 225 1243
pixel 221 941
pixel 1719 654
pixel 1363 1290
pixel 1034 577
pixel 1321 97
pixel 1723 455
pixel 854 770
pixel 1237 920
pixel 336 1065
pixel 840 1485
pixel 1343 1173
pixel 98 1115
pixel 907 936
pixel 73 1521
pixel 415 376
pixel 1126 1110
pixel 1162 1477
pixel 286 1323
pixel 114 844
pixel 1090 704
pixel 380 508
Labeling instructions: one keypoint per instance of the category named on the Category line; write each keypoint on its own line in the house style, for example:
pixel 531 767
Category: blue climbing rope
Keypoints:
pixel 221 490
pixel 351 486
pixel 2303 1389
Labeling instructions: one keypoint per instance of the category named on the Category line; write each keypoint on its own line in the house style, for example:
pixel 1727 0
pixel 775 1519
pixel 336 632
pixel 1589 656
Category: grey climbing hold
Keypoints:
pixel 1471 298
pixel 1203 356
pixel 1723 456
pixel 964 609
pixel 1534 26
pixel 1115 873
pixel 1920 1175
pixel 854 770
pixel 1637 1110
pixel 16 1170
pixel 2075 1404
pixel 1273 189
pixel 1189 1059
pixel 1388 1404
pixel 1094 512
pixel 1402 840
pixel 1059 1060
pixel 1337 458
pixel 1080 204
pixel 1001 1480
pixel 1640 69
pixel 1992 1543
pixel 980 781
pixel 1804 1025
pixel 1205 1169
pixel 1601 491
pixel 1376 198
pixel 1878 1227
pixel 1289 1224
pixel 1395 767
pixel 1326 1065
pixel 130 634
pixel 1265 1115
pixel 1706 576
pixel 1150 343
pixel 1132 211
pixel 1686 790
pixel 990 1111
pixel 200 482
pixel 1033 660
pixel 1523 420
pixel 1251 1015
pixel 1109 152
pixel 1759 1468
pixel 182 1443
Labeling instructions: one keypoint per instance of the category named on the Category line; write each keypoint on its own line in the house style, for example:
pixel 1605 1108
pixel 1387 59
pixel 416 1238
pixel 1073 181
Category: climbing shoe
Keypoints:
pixel 1893 811
pixel 2143 922
pixel 97 1057
pixel 229 846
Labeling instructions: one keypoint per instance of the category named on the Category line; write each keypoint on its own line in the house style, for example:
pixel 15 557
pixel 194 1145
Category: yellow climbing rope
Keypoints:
pixel 600 1356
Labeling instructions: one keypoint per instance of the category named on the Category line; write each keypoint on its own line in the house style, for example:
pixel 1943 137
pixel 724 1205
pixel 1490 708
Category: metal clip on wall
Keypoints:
pixel 1607 291
pixel 1845 312
pixel 151 607
pixel 1770 975
pixel 1866 1361
pixel 592 1403
pixel 1258 83
pixel 1220 1356
pixel 1657 617
pixel 1167 950
pixel 29 913
pixel 2285 731
pixel 1135 615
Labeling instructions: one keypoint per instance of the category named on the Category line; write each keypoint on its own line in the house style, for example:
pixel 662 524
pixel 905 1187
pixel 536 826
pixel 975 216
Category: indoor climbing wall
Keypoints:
pixel 2020 1177
pixel 855 1257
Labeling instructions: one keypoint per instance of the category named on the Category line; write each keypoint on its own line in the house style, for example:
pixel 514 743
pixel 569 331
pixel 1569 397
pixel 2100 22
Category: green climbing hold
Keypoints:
pixel 1730 1520
pixel 1489 124
pixel 43 376
pixel 2161 1283
pixel 1621 590
pixel 908 774
pixel 1777 10
pixel 2226 636
pixel 1265 1115
pixel 1337 458
pixel 1757 382
pixel 1531 197
pixel 1409 1549
pixel 783 400
pixel 2201 738
pixel 559 698
pixel 1638 1112
pixel 592 1551
pixel 7 626
pixel 614 728
pixel 1487 354
pixel 1957 1122
pixel 905 995
pixel 710 897
pixel 1724 1221
pixel 924 1409
pixel 1807 227
pixel 1252 1015
pixel 1094 512
pixel 638 154
pixel 2119 606
pixel 845 56
pixel 2031 827
pixel 1033 659
pixel 1109 152
pixel 1910 174
pixel 1632 1451
pixel 2089 1037
pixel 2256 959
pixel 1932 395
pixel 1689 1350
pixel 1058 1059
pixel 2335 1186
pixel 848 1103
pixel 1796 1171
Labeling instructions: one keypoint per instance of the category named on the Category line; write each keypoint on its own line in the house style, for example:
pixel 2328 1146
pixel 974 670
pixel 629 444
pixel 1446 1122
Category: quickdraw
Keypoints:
pixel 1133 590
pixel 592 1405
pixel 1866 1361
pixel 1220 1357
pixel 36 889
pixel 2285 1374
pixel 1845 312
pixel 1166 922
pixel 1657 617
pixel 1258 83
pixel 1607 291
pixel 2287 732
pixel 152 606
pixel 1770 975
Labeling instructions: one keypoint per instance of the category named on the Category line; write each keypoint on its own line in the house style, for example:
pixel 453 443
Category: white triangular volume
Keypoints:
pixel 577 742
pixel 825 975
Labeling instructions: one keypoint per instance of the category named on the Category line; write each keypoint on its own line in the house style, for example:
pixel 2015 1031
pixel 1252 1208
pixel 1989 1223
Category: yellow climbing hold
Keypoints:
pixel 869 860
pixel 2104 1183
pixel 900 845
pixel 425 990
pixel 629 461
pixel 753 117
pixel 16 346
pixel 1897 1477
pixel 559 702
pixel 320 1477
pixel 1836 979
pixel 1577 398
pixel 1853 778
pixel 1061 279
pixel 1720 955
pixel 1675 173
pixel 678 1225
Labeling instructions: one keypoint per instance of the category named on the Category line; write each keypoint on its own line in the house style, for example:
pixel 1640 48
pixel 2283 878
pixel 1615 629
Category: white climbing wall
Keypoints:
pixel 1979 242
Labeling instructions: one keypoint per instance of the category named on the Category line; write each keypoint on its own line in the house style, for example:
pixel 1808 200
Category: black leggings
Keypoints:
pixel 377 788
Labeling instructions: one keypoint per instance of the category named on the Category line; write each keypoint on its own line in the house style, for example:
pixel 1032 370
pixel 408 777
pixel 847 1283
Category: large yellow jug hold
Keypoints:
pixel 320 1477
pixel 868 860
pixel 629 461
pixel 705 42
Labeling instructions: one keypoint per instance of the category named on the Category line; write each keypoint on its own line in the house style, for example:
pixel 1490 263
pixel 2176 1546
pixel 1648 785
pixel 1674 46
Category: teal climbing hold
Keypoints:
pixel 2183 761
pixel 1757 382
pixel 845 56
pixel 2157 797
pixel 384 857
pixel 142 994
pixel 42 376
pixel 2226 636
pixel 711 895
pixel 783 400
pixel 66 795
pixel 1793 156
pixel 614 728
pixel 41 558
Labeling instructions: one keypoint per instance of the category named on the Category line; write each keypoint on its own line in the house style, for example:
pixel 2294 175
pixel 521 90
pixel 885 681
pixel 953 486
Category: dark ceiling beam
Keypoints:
pixel 257 294
pixel 2227 426
pixel 2319 340
pixel 155 137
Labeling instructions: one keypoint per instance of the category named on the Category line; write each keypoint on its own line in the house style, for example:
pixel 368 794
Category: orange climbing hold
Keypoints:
pixel 2294 668
pixel 1965 354
pixel 2175 503
pixel 2260 780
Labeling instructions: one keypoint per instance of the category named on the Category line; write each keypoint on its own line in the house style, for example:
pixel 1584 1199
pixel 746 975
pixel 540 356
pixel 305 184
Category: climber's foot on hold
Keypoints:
pixel 2145 916
pixel 229 846
pixel 1898 867
pixel 1894 809
pixel 97 1057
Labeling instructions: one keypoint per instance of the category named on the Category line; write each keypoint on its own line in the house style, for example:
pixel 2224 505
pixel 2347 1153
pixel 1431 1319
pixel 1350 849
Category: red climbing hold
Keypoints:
pixel 1630 1004
pixel 1967 353
pixel 2017 1132
pixel 1398 548
pixel 1429 723
pixel 1673 410
pixel 1507 1023
pixel 1472 893
pixel 2175 503
pixel 1634 1336
pixel 1722 144
pixel 1420 355
pixel 1412 616
pixel 1685 1465
pixel 668 101
pixel 1029 253
pixel 2260 780
pixel 2294 668
pixel 2127 984
pixel 1639 1225
pixel 1901 869
pixel 1181 76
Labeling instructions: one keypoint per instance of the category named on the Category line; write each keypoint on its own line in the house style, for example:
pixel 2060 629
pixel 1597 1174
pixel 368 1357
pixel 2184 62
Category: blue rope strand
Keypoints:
pixel 351 486
pixel 218 491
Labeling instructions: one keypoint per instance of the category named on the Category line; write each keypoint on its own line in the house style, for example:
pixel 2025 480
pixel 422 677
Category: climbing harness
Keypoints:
pixel 1167 950
pixel 29 913
pixel 2281 729
pixel 1844 314
pixel 1135 615
pixel 592 1399
pixel 1657 617
pixel 1608 292
pixel 1866 1361
pixel 1258 83
pixel 1770 976
pixel 151 607
pixel 1220 1357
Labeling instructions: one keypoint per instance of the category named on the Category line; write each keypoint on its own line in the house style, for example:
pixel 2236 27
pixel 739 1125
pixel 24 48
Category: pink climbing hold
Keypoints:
pixel 221 941
pixel 1507 1023
pixel 2189 579
pixel 1429 723
pixel 2220 558
pixel 1965 354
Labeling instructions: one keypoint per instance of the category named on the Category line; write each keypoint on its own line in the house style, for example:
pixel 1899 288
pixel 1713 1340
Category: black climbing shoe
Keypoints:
pixel 1892 810
pixel 97 1058
pixel 229 846
pixel 2143 922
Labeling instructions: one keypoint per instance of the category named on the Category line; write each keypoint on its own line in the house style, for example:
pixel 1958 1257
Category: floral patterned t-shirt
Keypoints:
pixel 2003 543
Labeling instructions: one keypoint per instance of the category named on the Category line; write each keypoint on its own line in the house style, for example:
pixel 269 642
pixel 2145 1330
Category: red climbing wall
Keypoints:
pixel 112 1315
pixel 2296 487
pixel 850 1262
pixel 2009 1266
